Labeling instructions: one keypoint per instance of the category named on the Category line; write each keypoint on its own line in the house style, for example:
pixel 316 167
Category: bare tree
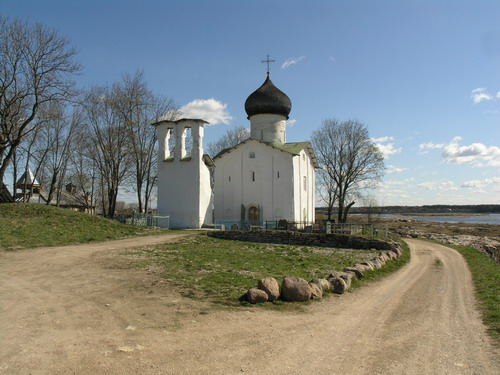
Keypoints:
pixel 57 137
pixel 371 206
pixel 230 139
pixel 138 108
pixel 327 191
pixel 107 143
pixel 36 65
pixel 82 172
pixel 348 159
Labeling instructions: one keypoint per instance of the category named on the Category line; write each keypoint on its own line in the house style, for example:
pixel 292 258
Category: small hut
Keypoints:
pixel 27 187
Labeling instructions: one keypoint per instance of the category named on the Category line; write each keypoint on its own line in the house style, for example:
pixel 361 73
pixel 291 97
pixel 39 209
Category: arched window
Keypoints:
pixel 251 155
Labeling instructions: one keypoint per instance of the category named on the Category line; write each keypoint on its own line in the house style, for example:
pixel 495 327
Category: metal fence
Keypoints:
pixel 356 229
pixel 228 224
pixel 148 220
pixel 329 227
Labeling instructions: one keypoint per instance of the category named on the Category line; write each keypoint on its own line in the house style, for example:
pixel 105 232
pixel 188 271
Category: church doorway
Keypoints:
pixel 253 214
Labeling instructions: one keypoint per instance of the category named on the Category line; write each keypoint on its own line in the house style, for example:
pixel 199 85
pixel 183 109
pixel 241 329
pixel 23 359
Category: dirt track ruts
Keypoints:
pixel 62 311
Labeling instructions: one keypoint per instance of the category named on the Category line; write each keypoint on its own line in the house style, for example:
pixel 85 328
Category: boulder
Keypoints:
pixel 384 257
pixel 363 267
pixel 295 289
pixel 392 255
pixel 316 292
pixel 271 287
pixel 347 277
pixel 339 285
pixel 333 274
pixel 369 264
pixel 356 271
pixel 323 284
pixel 255 295
pixel 377 263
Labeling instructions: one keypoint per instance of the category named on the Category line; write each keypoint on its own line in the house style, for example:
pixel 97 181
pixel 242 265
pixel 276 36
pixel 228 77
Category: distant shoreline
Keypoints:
pixel 440 214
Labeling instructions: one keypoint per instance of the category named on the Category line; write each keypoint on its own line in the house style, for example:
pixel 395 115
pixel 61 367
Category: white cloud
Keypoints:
pixel 388 149
pixel 391 169
pixel 498 94
pixel 292 61
pixel 477 184
pixel 291 123
pixel 475 154
pixel 382 139
pixel 442 185
pixel 210 110
pixel 332 59
pixel 406 181
pixel 430 145
pixel 480 94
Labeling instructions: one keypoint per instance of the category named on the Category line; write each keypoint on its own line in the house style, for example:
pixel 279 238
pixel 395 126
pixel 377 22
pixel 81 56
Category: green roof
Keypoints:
pixel 293 148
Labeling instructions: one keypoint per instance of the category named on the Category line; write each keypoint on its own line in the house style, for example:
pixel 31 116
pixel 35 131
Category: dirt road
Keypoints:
pixel 62 311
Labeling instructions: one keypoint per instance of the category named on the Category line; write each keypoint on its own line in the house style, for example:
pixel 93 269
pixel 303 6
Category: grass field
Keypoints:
pixel 486 277
pixel 26 225
pixel 199 266
pixel 222 270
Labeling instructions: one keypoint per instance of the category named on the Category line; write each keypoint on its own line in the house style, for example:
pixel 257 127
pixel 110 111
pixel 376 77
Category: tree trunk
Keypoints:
pixel 346 210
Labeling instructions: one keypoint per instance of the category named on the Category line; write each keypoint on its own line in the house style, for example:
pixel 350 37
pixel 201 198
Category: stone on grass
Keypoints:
pixel 323 284
pixel 377 263
pixel 369 264
pixel 255 295
pixel 295 289
pixel 392 255
pixel 271 287
pixel 339 285
pixel 354 270
pixel 347 277
pixel 316 292
pixel 383 257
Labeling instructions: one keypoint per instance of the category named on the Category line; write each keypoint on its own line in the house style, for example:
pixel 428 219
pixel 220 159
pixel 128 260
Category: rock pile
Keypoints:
pixel 298 289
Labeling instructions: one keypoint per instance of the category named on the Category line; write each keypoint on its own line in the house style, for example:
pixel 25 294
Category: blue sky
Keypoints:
pixel 423 75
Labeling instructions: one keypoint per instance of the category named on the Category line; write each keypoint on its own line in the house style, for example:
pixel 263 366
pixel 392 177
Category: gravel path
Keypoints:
pixel 63 310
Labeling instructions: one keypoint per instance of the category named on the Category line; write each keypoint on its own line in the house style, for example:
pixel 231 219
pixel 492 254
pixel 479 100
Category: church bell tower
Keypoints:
pixel 184 191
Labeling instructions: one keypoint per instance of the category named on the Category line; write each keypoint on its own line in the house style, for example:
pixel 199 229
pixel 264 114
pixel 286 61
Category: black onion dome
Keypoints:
pixel 268 99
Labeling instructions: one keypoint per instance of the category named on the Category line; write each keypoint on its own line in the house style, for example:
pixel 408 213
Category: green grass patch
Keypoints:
pixel 28 225
pixel 486 276
pixel 223 270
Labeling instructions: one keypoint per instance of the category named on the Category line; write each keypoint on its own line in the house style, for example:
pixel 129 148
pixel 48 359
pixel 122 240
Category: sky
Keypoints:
pixel 424 76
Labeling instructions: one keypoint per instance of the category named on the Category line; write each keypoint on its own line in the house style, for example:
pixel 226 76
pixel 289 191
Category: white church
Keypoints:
pixel 262 179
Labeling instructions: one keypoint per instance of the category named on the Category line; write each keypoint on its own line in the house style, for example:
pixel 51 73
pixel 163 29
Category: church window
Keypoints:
pixel 252 155
pixel 278 174
pixel 304 157
pixel 170 143
pixel 305 183
pixel 229 178
pixel 188 141
pixel 252 175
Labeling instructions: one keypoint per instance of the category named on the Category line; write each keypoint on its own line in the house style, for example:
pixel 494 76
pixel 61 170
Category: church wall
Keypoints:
pixel 240 179
pixel 304 187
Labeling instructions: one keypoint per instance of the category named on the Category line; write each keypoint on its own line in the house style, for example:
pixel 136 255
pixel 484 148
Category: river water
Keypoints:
pixel 479 219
